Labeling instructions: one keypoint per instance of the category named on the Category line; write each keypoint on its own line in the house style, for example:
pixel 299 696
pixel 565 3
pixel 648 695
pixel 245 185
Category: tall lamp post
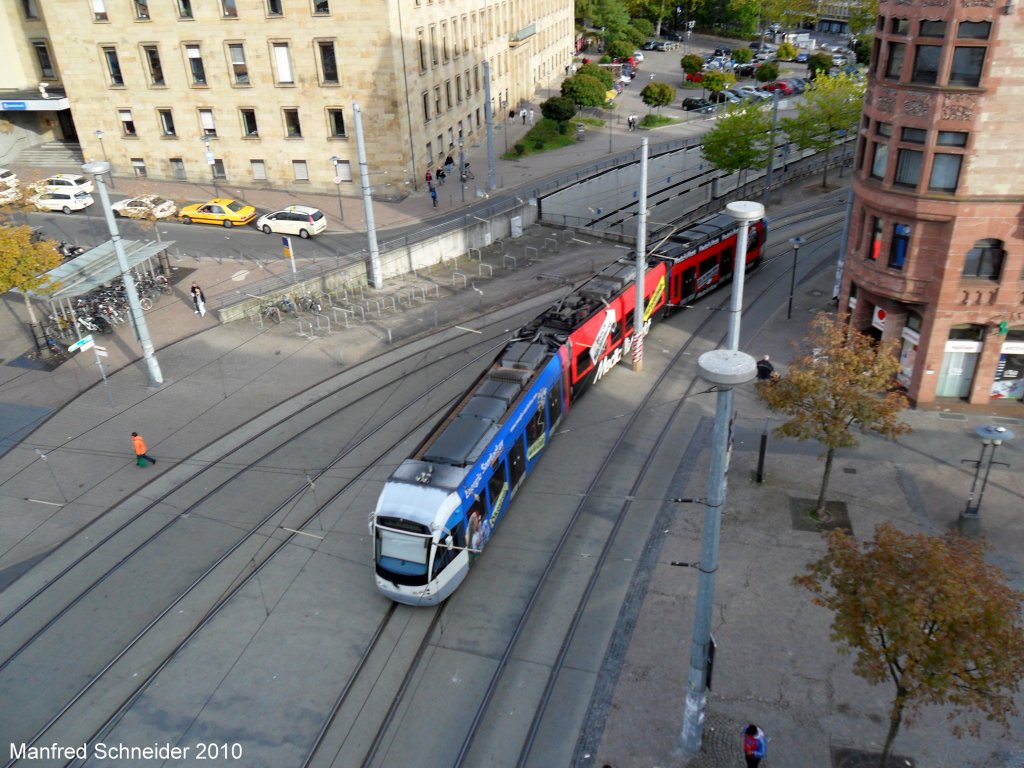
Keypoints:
pixel 462 169
pixel 98 170
pixel 796 242
pixel 211 162
pixel 337 186
pixel 991 437
pixel 103 149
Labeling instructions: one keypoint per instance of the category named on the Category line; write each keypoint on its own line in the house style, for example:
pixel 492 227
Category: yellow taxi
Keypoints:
pixel 221 211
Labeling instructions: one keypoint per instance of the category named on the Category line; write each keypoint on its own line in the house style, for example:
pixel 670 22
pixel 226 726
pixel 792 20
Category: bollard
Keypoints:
pixel 761 452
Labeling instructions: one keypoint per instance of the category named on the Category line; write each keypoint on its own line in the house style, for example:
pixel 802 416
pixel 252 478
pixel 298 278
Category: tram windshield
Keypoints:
pixel 402 553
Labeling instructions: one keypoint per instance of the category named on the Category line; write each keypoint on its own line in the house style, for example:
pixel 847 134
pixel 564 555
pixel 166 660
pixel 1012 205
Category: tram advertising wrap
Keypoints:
pixel 441 506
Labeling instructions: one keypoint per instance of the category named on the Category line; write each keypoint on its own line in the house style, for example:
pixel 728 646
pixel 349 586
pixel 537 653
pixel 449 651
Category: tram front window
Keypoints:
pixel 403 556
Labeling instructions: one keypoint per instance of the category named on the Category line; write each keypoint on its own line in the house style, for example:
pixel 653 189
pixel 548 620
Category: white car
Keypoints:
pixel 145 206
pixel 639 56
pixel 62 201
pixel 9 195
pixel 67 182
pixel 8 178
pixel 298 220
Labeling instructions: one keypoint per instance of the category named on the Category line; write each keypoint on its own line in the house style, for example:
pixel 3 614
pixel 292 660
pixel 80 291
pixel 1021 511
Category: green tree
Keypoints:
pixel 767 72
pixel 928 614
pixel 23 264
pixel 604 74
pixel 740 140
pixel 818 64
pixel 644 26
pixel 838 383
pixel 558 108
pixel 830 110
pixel 863 14
pixel 862 48
pixel 585 91
pixel 717 81
pixel 657 94
pixel 743 55
pixel 787 52
pixel 619 49
pixel 611 16
pixel 691 63
pixel 634 37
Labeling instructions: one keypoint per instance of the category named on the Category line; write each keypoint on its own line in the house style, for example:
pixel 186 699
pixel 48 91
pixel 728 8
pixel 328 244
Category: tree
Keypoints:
pixel 558 108
pixel 585 91
pixel 743 55
pixel 862 48
pixel 619 49
pixel 604 74
pixel 929 614
pixel 717 81
pixel 787 52
pixel 644 26
pixel 611 16
pixel 23 264
pixel 741 139
pixel 830 110
pixel 818 64
pixel 863 14
pixel 691 63
pixel 657 94
pixel 840 382
pixel 767 72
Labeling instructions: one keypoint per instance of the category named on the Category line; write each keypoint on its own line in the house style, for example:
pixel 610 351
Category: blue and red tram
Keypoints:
pixel 439 508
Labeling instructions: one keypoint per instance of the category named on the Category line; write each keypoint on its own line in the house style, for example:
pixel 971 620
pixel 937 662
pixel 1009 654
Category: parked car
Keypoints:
pixel 779 85
pixel 802 57
pixel 726 52
pixel 723 97
pixel 67 182
pixel 300 220
pixel 638 56
pixel 666 45
pixel 65 202
pixel 691 104
pixel 144 206
pixel 750 92
pixel 650 45
pixel 745 70
pixel 694 77
pixel 8 178
pixel 9 194
pixel 223 211
pixel 757 45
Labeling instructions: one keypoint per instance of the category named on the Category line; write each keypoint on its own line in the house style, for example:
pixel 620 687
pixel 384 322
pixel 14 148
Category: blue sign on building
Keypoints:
pixel 13 105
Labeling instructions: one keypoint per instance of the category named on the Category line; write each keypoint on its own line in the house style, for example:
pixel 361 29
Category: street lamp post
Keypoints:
pixel 462 169
pixel 337 186
pixel 991 437
pixel 98 170
pixel 796 242
pixel 103 149
pixel 211 163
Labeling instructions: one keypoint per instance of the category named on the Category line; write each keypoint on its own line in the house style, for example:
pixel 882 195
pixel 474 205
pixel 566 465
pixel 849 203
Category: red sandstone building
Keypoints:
pixel 936 249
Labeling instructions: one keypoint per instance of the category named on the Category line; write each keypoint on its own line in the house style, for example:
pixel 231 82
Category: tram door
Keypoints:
pixel 517 462
pixel 728 257
pixel 689 282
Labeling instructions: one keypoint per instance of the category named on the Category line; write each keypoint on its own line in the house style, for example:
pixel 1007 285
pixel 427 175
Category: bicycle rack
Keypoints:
pixel 321 322
pixel 375 304
pixel 526 252
pixel 568 235
pixel 479 256
pixel 384 302
pixel 488 267
pixel 358 308
pixel 344 314
pixel 302 323
pixel 553 242
pixel 506 258
pixel 256 316
pixel 456 276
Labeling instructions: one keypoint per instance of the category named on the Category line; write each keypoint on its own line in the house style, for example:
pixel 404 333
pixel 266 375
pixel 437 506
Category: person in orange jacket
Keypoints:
pixel 141 457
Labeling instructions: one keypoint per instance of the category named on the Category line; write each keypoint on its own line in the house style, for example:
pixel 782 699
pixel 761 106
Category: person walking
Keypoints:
pixel 511 115
pixel 531 115
pixel 429 177
pixel 755 745
pixel 522 114
pixel 449 165
pixel 765 370
pixel 198 299
pixel 141 457
pixel 441 176
pixel 433 196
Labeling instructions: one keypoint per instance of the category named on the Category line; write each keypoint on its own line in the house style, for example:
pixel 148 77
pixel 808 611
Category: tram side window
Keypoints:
pixel 442 557
pixel 498 488
pixel 583 362
pixel 689 281
pixel 474 521
pixel 535 432
pixel 555 402
pixel 707 265
pixel 728 260
pixel 753 238
pixel 516 462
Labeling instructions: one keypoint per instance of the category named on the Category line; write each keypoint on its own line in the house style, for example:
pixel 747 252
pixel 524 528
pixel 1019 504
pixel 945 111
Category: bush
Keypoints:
pixel 743 55
pixel 644 26
pixel 584 90
pixel 558 108
pixel 767 72
pixel 601 73
pixel 620 49
pixel 819 63
pixel 691 63
pixel 563 128
pixel 787 52
pixel 519 149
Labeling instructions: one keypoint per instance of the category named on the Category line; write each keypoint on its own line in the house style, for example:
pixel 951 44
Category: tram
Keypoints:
pixel 439 508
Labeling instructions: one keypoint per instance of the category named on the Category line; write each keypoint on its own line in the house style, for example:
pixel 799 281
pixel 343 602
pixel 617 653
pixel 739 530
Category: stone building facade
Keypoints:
pixel 935 256
pixel 261 92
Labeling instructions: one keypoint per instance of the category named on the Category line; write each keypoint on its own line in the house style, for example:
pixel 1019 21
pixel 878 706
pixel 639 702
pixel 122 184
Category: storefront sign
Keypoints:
pixel 911 335
pixel 963 345
pixel 878 318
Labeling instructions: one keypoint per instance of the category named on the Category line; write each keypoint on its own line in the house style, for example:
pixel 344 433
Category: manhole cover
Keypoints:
pixel 815 293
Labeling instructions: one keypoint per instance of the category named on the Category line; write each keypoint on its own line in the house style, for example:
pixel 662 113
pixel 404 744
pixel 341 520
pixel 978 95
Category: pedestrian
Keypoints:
pixel 531 115
pixel 755 745
pixel 522 114
pixel 511 115
pixel 433 196
pixel 198 299
pixel 765 370
pixel 430 178
pixel 441 176
pixel 449 165
pixel 141 457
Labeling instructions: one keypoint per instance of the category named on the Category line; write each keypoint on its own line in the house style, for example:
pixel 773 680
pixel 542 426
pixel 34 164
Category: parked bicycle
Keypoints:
pixel 272 312
pixel 466 173
pixel 310 303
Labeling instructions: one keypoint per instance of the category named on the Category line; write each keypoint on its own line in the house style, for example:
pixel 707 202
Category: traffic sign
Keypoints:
pixel 81 343
pixel 87 345
pixel 338 179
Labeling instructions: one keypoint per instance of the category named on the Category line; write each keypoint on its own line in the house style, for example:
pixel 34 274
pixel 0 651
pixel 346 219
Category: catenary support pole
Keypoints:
pixel 156 378
pixel 641 263
pixel 492 180
pixel 376 280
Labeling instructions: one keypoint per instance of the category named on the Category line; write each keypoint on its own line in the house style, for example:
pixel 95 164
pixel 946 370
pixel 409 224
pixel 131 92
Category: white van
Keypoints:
pixel 298 220
pixel 62 201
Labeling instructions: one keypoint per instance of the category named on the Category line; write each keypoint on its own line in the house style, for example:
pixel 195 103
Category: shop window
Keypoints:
pixel 932 29
pixel 880 160
pixel 974 30
pixel 899 246
pixel 967 66
pixel 945 172
pixel 967 333
pixel 985 259
pixel 926 64
pixel 908 168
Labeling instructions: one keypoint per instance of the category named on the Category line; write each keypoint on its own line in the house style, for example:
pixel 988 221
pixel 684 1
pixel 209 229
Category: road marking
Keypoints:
pixel 302 533
pixel 468 330
pixel 240 275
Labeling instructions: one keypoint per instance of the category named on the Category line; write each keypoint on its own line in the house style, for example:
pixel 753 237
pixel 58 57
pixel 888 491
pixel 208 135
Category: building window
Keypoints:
pixel 952 139
pixel 259 170
pixel 206 122
pixel 898 247
pixel 321 7
pixel 250 128
pixel 967 65
pixel 985 259
pixel 283 62
pixel 421 46
pixel 113 66
pixel 974 30
pixel 99 10
pixel 908 168
pixel 195 64
pixel 166 122
pixel 945 172
pixel 448 93
pixel 426 107
pixel 343 170
pixel 239 67
pixel 458 88
pixel 883 129
pixel 30 8
pixel 45 63
pixel 899 26
pixel 299 170
pixel 932 29
pixel 292 124
pixel 894 67
pixel 229 8
pixel 178 168
pixel 142 9
pixel 433 44
pixel 437 99
pixel 444 42
pixel 156 70
pixel 880 160
pixel 139 166
pixel 274 8
pixel 876 238
pixel 336 123
pixel 328 62
pixel 914 135
pixel 926 64
pixel 127 123
pixel 184 12
pixel 217 169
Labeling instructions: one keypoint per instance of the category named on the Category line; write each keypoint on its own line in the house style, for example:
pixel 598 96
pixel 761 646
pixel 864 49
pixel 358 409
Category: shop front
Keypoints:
pixel 1009 379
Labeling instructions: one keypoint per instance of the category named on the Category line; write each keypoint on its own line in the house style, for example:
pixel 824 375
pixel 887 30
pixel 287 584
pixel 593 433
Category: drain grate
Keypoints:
pixel 953 416
pixel 997 419
pixel 850 470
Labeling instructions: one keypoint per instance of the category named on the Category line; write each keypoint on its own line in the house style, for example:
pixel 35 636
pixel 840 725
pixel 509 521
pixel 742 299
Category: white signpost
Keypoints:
pixel 87 342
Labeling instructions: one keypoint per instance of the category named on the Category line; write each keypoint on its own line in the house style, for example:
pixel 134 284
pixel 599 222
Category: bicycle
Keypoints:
pixel 466 173
pixel 271 311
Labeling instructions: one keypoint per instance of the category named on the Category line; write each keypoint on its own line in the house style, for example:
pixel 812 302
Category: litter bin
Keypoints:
pixel 581 130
